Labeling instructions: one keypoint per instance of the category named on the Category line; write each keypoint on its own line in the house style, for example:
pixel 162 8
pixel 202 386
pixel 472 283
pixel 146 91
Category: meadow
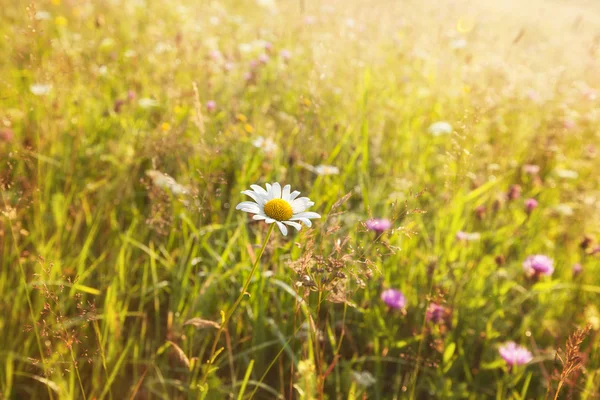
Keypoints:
pixel 446 154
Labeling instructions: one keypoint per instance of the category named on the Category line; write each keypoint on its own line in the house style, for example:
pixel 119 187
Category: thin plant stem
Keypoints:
pixel 420 348
pixel 102 355
pixel 78 375
pixel 317 347
pixel 236 304
pixel 560 383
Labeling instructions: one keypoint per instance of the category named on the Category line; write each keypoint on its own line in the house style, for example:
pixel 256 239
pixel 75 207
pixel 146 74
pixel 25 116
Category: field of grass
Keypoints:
pixel 129 129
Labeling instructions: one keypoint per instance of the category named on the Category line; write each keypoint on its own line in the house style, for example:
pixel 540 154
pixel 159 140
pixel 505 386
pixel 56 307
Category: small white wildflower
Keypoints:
pixel 566 173
pixel 245 47
pixel 440 128
pixel 326 170
pixel 147 102
pixel 40 89
pixel 468 236
pixel 363 378
pixel 564 209
pixel 196 261
pixel 267 145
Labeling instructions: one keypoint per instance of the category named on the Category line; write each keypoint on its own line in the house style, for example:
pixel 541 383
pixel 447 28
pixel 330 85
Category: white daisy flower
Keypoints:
pixel 278 206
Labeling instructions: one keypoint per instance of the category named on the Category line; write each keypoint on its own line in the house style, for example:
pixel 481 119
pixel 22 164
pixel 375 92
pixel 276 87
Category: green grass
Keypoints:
pixel 102 267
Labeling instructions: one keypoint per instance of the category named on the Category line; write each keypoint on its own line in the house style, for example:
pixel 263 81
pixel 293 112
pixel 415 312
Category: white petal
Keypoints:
pixel 255 196
pixel 282 228
pixel 245 204
pixel 308 214
pixel 258 189
pixel 294 194
pixel 269 220
pixel 276 190
pixel 306 221
pixel 252 210
pixel 294 224
pixel 286 193
pixel 301 204
pixel 259 217
pixel 299 207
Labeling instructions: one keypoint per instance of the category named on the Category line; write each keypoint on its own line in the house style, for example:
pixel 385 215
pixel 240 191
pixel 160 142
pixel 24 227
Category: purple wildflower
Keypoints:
pixel 263 58
pixel 285 54
pixel 436 313
pixel 211 105
pixel 568 124
pixel 379 225
pixel 215 55
pixel 577 269
pixel 6 135
pixel 537 265
pixel 530 205
pixel 480 211
pixel 514 354
pixel 131 95
pixel 514 192
pixel 393 298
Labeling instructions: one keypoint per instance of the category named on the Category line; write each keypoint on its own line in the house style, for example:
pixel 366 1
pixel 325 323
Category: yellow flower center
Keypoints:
pixel 278 209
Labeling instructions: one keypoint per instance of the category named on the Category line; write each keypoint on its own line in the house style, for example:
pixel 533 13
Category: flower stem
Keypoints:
pixel 236 304
pixel 558 390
